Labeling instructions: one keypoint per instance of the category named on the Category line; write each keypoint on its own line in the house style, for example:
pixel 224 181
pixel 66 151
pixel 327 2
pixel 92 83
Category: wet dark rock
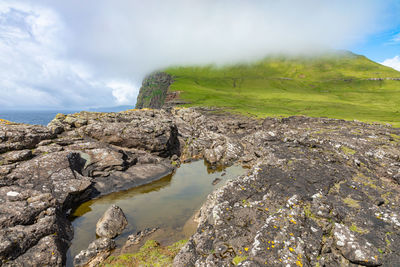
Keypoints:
pixel 134 176
pixel 96 253
pixel 216 181
pixel 76 163
pixel 112 223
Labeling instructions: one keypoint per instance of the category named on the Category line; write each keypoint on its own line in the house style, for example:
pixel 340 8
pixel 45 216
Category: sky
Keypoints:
pixel 94 53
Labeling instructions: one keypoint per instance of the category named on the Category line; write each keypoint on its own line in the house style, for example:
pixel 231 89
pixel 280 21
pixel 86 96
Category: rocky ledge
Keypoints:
pixel 320 192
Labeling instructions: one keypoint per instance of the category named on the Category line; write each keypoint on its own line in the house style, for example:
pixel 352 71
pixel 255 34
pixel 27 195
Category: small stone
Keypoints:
pixel 12 194
pixel 216 181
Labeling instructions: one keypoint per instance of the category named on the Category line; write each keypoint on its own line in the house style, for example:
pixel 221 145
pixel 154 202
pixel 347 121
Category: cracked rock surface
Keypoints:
pixel 47 171
pixel 319 192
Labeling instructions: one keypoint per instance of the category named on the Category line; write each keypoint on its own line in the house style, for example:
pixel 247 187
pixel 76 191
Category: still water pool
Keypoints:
pixel 168 204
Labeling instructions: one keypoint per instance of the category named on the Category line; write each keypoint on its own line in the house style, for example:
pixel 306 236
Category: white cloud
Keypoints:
pixel 393 63
pixel 59 54
pixel 396 38
pixel 124 92
pixel 36 70
pixel 136 37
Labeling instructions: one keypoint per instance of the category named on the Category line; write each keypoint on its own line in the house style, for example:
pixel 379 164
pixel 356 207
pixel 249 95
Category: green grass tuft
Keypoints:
pixel 238 259
pixel 348 150
pixel 150 254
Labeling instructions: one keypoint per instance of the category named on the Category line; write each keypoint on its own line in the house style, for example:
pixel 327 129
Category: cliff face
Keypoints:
pixel 154 90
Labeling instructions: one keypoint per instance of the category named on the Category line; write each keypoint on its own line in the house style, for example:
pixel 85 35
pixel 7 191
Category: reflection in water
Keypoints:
pixel 167 203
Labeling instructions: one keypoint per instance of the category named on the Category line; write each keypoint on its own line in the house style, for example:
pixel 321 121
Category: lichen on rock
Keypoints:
pixel 318 190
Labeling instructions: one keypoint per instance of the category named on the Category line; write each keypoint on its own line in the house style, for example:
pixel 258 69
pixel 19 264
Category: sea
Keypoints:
pixel 43 117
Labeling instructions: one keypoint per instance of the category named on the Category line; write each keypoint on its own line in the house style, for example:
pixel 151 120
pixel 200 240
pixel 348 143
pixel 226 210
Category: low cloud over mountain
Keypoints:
pixel 59 54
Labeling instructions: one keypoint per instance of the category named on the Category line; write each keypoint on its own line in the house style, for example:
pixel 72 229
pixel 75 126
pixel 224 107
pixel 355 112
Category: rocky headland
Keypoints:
pixel 320 192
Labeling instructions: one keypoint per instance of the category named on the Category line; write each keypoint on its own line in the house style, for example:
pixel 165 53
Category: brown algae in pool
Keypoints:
pixel 167 204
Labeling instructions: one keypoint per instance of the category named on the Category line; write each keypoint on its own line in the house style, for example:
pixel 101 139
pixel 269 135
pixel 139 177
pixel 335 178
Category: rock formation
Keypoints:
pixel 320 191
pixel 154 90
pixel 96 253
pixel 47 171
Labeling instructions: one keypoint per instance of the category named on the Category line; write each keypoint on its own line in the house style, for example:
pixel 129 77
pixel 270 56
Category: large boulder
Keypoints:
pixel 112 223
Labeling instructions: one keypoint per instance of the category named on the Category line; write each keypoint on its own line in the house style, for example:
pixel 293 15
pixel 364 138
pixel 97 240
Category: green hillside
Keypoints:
pixel 336 86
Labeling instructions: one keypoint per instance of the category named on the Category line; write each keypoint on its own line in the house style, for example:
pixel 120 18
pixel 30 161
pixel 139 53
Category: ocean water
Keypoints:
pixel 32 117
pixel 43 117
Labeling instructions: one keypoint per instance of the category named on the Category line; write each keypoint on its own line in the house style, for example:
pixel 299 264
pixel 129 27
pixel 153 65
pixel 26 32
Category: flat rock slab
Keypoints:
pixel 134 176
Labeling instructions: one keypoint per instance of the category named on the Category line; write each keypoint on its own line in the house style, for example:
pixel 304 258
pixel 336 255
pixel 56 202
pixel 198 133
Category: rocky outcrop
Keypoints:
pixel 320 191
pixel 46 171
pixel 146 130
pixel 155 93
pixel 112 223
pixel 154 90
pixel 96 253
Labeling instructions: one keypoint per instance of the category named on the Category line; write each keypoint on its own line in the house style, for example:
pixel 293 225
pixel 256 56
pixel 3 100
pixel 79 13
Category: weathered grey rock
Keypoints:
pixel 311 174
pixel 15 136
pixel 15 156
pixel 112 223
pixel 97 252
pixel 316 195
pixel 18 239
pixel 47 252
pixel 147 130
pixel 33 197
pixel 214 155
pixel 134 240
pixel 356 250
pixel 45 149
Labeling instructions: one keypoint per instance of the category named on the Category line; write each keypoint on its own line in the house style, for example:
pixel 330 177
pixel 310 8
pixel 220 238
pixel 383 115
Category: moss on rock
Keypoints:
pixel 150 254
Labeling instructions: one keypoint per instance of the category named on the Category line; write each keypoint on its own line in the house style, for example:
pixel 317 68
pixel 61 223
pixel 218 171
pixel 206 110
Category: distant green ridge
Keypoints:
pixel 339 85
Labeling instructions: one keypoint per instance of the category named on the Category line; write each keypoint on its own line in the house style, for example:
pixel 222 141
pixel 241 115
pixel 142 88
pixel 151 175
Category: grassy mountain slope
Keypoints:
pixel 335 86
